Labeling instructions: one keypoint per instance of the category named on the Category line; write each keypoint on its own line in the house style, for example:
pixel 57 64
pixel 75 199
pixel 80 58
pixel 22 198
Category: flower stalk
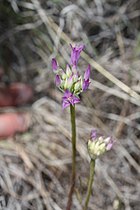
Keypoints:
pixel 90 183
pixel 73 175
pixel 98 144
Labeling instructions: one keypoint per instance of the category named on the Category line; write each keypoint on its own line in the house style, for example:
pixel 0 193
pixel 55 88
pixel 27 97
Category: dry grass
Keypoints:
pixel 35 166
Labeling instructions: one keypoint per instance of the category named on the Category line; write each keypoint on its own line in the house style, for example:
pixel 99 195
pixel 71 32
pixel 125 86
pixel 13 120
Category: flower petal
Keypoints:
pixel 87 73
pixel 68 99
pixel 86 84
pixel 65 104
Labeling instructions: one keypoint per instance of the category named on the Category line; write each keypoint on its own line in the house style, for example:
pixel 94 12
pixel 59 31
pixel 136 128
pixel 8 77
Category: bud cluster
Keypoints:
pixel 99 144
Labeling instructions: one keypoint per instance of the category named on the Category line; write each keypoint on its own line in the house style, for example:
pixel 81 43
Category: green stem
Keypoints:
pixel 73 176
pixel 90 182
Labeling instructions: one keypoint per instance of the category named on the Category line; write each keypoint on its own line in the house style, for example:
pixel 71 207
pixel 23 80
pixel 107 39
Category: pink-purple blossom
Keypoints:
pixel 69 99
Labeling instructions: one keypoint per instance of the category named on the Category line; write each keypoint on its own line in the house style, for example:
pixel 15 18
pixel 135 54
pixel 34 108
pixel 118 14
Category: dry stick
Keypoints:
pixel 73 130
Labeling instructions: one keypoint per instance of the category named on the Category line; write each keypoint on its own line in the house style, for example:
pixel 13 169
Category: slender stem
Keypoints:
pixel 73 176
pixel 90 182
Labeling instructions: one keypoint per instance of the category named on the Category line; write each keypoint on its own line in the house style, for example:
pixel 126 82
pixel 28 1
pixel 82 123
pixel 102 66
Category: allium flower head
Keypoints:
pixel 99 144
pixel 70 81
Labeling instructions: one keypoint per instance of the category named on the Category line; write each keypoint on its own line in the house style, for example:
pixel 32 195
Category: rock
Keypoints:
pixel 11 123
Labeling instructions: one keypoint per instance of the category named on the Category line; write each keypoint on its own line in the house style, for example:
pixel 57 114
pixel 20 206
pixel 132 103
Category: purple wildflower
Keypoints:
pixel 68 99
pixel 54 64
pixel 75 54
pixel 70 81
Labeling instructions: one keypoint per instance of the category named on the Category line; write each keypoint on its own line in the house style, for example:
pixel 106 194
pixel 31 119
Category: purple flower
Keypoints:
pixel 54 64
pixel 68 99
pixel 69 80
pixel 86 81
pixel 75 54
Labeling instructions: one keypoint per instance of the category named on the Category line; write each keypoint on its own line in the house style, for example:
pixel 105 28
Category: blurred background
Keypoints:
pixel 35 147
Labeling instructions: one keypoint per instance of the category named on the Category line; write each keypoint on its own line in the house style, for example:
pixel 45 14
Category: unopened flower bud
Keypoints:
pixel 57 80
pixel 63 75
pixel 78 86
pixel 68 71
pixel 99 144
pixel 68 83
pixel 75 54
pixel 54 64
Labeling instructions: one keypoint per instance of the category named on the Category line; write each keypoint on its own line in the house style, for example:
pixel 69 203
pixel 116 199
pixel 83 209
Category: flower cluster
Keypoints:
pixel 69 81
pixel 99 144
